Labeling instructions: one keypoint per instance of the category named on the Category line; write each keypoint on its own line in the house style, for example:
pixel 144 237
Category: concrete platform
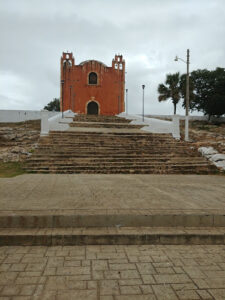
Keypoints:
pixel 55 209
pixel 141 194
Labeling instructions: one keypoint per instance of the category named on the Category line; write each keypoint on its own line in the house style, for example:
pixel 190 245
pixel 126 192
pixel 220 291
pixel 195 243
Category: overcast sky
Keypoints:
pixel 149 33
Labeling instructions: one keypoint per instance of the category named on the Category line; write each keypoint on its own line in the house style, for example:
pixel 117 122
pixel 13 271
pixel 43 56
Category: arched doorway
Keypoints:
pixel 92 108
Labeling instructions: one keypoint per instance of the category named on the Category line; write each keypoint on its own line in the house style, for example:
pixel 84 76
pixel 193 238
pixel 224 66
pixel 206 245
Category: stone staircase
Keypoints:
pixel 127 150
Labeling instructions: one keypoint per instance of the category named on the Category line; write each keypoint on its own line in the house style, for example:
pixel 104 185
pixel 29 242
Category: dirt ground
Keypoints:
pixel 203 133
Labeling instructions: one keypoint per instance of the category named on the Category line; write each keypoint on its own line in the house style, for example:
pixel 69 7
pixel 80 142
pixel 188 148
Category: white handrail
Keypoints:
pixel 155 125
pixel 46 122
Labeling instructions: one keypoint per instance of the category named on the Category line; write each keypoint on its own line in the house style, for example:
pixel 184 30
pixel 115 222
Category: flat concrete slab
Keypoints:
pixel 113 194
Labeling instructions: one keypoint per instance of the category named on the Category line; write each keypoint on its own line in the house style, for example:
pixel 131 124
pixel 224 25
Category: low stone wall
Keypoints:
pixel 14 116
pixel 191 118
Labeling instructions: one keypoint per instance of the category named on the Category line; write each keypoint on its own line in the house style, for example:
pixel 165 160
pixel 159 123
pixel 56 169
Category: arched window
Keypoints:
pixel 93 78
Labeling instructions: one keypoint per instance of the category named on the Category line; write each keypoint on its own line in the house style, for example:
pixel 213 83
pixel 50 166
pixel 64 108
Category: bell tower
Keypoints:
pixel 67 64
pixel 118 64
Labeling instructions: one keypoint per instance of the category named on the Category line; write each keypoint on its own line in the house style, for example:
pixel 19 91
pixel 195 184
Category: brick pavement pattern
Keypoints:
pixel 112 272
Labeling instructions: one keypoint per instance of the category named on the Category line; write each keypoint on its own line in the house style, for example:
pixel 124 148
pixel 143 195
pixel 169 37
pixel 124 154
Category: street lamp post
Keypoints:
pixel 187 62
pixel 62 83
pixel 143 103
pixel 127 101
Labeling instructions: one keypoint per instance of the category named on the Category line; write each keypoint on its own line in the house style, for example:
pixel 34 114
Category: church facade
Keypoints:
pixel 91 87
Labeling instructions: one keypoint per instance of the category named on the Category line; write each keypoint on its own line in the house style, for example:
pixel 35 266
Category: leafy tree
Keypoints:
pixel 170 90
pixel 207 91
pixel 183 80
pixel 54 105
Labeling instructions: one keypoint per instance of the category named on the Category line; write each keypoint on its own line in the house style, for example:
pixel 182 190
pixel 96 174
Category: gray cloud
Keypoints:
pixel 149 33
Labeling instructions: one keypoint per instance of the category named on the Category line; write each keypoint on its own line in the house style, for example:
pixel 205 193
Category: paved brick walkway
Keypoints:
pixel 112 272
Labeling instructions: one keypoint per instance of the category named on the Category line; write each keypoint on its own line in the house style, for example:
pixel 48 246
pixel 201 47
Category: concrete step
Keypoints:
pixel 116 134
pixel 112 150
pixel 114 145
pixel 121 139
pixel 104 125
pixel 150 147
pixel 111 164
pixel 132 170
pixel 118 166
pixel 98 156
pixel 76 218
pixel 108 154
pixel 92 139
pixel 105 119
pixel 103 149
pixel 114 160
pixel 112 236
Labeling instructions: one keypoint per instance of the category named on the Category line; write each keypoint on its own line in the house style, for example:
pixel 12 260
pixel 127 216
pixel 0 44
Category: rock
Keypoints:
pixel 16 149
pixel 218 157
pixel 220 164
pixel 9 136
pixel 207 151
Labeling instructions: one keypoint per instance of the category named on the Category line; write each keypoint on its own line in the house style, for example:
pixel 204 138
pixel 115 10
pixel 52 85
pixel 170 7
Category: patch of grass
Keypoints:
pixel 11 169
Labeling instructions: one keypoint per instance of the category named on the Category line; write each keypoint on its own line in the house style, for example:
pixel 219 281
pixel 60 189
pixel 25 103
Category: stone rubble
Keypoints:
pixel 19 141
pixel 216 158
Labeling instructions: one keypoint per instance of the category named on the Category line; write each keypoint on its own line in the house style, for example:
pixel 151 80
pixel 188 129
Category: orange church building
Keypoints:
pixel 91 87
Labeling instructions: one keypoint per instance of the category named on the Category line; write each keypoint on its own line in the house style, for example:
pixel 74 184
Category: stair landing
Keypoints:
pixel 83 209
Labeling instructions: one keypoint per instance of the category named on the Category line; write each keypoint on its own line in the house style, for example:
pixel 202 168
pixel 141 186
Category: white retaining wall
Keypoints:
pixel 191 118
pixel 13 116
pixel 155 125
pixel 56 122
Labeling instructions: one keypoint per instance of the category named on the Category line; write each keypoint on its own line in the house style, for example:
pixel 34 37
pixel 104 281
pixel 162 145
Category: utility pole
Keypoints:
pixel 187 62
pixel 127 101
pixel 187 99
pixel 143 103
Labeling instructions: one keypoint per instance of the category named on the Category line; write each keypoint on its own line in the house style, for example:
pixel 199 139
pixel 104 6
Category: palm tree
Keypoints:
pixel 171 89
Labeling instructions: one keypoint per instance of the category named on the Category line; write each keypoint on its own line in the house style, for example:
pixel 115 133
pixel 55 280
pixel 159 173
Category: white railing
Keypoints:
pixel 155 125
pixel 57 122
